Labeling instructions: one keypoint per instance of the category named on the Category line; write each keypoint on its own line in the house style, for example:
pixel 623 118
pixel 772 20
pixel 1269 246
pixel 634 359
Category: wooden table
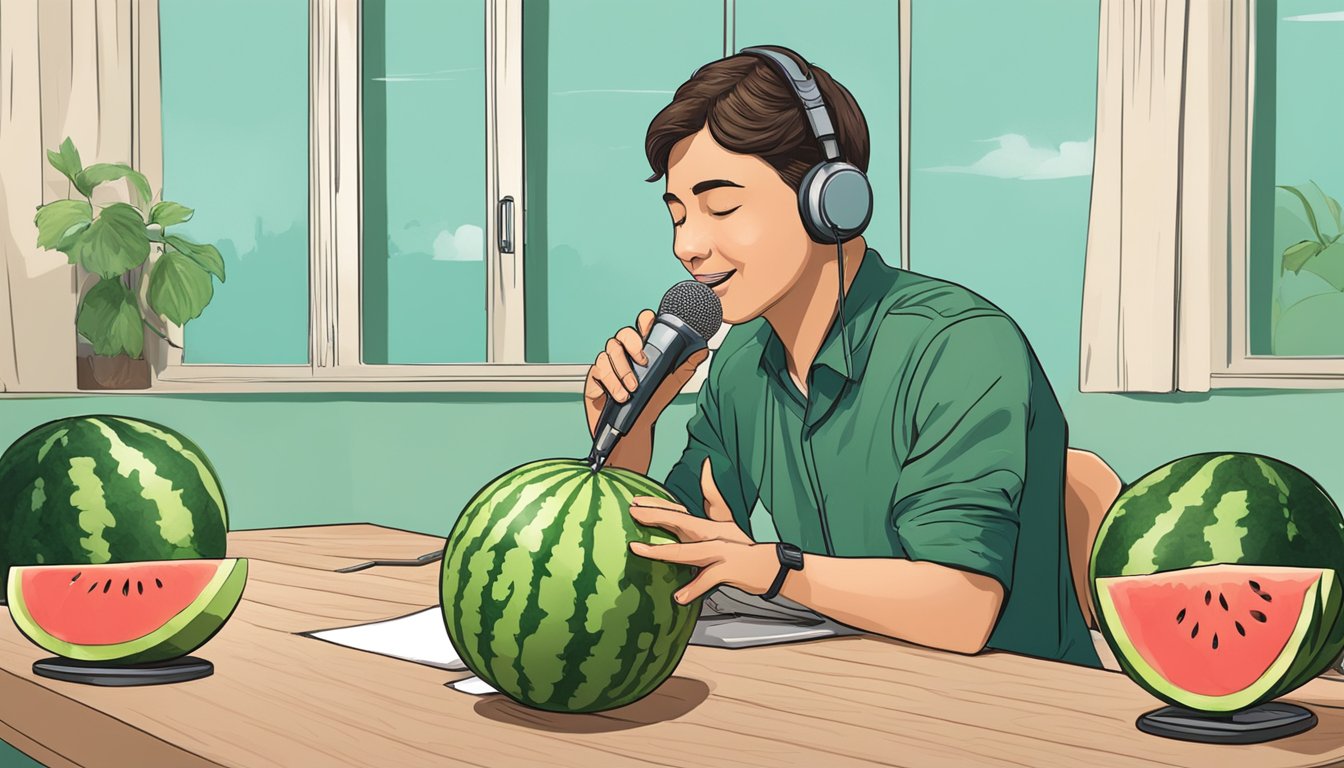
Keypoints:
pixel 281 699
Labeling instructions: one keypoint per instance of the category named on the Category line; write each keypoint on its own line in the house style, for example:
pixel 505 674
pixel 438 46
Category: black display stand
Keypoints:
pixel 102 673
pixel 1266 722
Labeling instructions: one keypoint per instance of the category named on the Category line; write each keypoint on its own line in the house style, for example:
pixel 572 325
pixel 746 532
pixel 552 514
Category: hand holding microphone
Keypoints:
pixel 639 372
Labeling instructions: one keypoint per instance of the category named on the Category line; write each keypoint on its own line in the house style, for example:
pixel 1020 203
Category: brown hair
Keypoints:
pixel 751 109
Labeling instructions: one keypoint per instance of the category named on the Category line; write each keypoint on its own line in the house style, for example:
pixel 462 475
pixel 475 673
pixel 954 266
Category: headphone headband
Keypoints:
pixel 807 91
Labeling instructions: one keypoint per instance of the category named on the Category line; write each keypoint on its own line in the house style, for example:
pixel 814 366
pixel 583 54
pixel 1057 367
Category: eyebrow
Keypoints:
pixel 702 187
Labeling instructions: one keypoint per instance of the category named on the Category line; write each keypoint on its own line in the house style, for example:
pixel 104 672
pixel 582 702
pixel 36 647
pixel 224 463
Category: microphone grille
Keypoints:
pixel 696 304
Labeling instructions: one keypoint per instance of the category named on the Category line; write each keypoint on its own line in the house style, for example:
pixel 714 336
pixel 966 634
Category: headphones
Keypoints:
pixel 835 199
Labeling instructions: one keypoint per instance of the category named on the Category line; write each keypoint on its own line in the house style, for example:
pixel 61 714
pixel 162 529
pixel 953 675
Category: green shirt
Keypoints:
pixel 945 443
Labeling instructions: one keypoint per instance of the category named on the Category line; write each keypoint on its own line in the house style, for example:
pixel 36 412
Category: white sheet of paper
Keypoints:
pixel 473 685
pixel 419 637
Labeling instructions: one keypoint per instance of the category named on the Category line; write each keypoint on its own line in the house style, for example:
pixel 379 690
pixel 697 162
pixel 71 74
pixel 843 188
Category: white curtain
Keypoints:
pixel 69 68
pixel 1160 195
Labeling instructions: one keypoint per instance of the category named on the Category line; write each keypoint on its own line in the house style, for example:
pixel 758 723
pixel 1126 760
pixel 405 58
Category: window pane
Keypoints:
pixel 235 148
pixel 599 240
pixel 1296 271
pixel 424 181
pixel 866 59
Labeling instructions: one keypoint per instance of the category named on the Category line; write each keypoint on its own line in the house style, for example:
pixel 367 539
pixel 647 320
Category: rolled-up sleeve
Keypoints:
pixel 963 438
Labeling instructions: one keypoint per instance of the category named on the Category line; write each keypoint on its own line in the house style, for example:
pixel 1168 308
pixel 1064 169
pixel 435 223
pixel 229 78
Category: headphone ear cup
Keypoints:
pixel 835 197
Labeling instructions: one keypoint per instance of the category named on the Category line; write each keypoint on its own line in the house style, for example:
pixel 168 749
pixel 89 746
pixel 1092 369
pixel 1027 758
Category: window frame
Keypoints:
pixel 1232 364
pixel 335 220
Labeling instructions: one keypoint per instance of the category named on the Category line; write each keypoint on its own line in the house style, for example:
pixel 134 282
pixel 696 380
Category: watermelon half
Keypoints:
pixel 543 598
pixel 1220 638
pixel 127 613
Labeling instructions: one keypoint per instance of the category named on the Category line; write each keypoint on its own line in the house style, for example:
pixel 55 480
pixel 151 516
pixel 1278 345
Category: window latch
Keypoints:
pixel 504 230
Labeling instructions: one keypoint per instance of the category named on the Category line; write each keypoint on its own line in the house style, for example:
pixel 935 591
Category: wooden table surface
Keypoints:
pixel 281 699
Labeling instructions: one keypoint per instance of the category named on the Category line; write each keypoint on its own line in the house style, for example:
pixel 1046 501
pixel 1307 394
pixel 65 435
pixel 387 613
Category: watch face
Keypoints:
pixel 791 556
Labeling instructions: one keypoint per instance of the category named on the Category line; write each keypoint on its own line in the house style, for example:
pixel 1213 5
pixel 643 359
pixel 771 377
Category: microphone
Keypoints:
pixel 688 315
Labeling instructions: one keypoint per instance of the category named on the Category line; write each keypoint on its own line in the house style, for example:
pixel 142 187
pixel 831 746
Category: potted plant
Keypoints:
pixel 114 242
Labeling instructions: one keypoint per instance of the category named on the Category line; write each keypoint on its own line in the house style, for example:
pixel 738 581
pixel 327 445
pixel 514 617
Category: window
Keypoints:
pixel 426 195
pixel 1295 267
pixel 1214 255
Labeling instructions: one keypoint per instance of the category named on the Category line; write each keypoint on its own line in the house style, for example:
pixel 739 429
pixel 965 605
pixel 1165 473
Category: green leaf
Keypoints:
pixel 115 243
pixel 100 173
pixel 178 288
pixel 110 319
pixel 205 256
pixel 1311 214
pixel 168 213
pixel 1294 256
pixel 66 161
pixel 1330 265
pixel 60 222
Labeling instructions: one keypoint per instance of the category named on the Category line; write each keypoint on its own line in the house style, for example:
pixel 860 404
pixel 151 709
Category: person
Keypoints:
pixel 909 450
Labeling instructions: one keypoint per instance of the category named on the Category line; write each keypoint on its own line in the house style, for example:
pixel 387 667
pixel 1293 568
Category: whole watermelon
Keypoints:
pixel 107 489
pixel 1227 508
pixel 543 599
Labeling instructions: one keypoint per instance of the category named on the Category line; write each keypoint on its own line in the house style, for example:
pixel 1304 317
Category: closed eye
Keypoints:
pixel 725 213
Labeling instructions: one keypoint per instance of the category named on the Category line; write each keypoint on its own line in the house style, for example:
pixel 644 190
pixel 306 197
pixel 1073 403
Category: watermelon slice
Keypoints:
pixel 1221 638
pixel 129 613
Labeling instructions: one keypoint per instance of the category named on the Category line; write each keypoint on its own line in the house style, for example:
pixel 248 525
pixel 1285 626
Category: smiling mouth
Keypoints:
pixel 715 278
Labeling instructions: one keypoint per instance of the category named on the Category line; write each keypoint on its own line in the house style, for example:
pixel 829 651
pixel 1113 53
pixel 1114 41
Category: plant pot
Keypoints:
pixel 114 372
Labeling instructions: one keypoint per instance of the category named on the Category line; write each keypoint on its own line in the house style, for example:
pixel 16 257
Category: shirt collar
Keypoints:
pixel 862 301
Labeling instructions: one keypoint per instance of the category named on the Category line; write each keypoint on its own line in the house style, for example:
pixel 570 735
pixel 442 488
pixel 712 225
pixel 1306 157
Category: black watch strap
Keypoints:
pixel 790 559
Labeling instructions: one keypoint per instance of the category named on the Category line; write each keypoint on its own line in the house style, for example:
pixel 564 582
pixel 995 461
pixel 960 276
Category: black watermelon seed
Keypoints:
pixel 1207 596
pixel 1258 616
pixel 139 588
pixel 77 575
pixel 1265 596
pixel 1215 641
pixel 1222 601
pixel 158 583
pixel 1255 585
pixel 1240 630
pixel 107 586
pixel 92 587
pixel 1195 631
pixel 126 588
pixel 1180 616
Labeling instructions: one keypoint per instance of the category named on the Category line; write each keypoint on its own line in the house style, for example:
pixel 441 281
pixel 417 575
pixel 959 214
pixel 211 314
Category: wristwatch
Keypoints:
pixel 790 559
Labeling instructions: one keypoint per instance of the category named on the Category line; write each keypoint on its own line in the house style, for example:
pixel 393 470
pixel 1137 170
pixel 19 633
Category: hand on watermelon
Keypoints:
pixel 724 553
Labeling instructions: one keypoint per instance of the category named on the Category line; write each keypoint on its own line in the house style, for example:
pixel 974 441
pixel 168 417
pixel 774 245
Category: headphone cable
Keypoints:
pixel 844 331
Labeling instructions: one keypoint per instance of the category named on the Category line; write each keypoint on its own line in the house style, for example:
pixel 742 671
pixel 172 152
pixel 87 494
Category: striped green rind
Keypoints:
pixel 107 489
pixel 1227 508
pixel 543 599
pixel 191 628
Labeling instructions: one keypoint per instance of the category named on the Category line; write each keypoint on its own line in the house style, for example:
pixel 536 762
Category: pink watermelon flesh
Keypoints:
pixel 124 603
pixel 1211 637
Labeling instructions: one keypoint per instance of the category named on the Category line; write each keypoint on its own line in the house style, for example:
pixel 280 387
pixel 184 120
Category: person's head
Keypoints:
pixel 734 146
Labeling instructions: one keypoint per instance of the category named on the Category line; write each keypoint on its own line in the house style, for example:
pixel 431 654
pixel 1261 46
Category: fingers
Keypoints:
pixel 645 322
pixel 704 581
pixel 620 364
pixel 686 527
pixel 697 553
pixel 715 507
pixel 634 344
pixel 605 375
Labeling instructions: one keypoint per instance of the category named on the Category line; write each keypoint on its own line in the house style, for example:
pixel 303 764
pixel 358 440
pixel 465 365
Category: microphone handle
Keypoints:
pixel 671 341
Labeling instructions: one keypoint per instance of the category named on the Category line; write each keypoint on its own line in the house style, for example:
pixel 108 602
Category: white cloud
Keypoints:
pixel 465 244
pixel 1312 17
pixel 1015 158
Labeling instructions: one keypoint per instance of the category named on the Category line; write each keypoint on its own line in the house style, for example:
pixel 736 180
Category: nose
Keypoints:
pixel 691 243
